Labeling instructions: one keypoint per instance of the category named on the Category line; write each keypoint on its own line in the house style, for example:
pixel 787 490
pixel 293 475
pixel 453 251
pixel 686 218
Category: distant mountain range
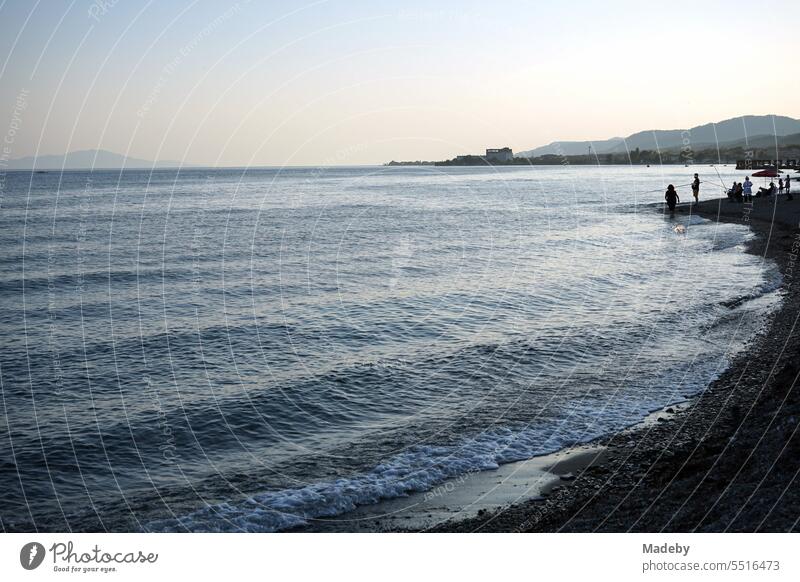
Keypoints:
pixel 87 159
pixel 748 130
pixel 753 131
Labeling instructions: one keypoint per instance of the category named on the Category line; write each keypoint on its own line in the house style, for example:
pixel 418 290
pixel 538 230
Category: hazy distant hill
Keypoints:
pixel 725 132
pixel 85 159
pixel 756 142
pixel 573 148
pixel 763 141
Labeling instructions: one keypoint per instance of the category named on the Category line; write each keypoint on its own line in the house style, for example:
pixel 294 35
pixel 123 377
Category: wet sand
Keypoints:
pixel 727 461
pixel 467 496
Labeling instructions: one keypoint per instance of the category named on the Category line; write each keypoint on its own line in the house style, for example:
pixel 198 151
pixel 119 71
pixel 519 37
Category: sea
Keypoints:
pixel 262 349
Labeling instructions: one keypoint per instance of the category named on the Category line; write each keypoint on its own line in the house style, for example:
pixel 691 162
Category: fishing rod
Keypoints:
pixel 683 185
pixel 721 181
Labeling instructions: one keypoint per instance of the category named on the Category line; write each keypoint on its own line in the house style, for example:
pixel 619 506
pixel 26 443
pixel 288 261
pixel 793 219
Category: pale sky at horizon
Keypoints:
pixel 330 82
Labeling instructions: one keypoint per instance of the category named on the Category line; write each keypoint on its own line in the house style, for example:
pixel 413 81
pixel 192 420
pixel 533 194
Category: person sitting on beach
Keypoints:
pixel 732 192
pixel 671 196
pixel 762 192
pixel 780 185
pixel 747 189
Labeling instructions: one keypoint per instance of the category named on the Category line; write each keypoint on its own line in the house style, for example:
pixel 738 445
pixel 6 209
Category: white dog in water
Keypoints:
pixel 680 229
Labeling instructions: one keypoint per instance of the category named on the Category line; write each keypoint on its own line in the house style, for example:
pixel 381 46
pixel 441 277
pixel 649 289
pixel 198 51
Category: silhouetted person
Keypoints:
pixel 780 185
pixel 696 189
pixel 762 192
pixel 732 192
pixel 747 189
pixel 787 184
pixel 672 198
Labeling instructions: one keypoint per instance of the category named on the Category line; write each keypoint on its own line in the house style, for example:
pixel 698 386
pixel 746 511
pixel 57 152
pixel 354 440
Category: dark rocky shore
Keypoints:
pixel 728 462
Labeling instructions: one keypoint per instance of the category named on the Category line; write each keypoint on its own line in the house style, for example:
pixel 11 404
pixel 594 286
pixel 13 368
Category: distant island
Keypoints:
pixel 87 160
pixel 751 136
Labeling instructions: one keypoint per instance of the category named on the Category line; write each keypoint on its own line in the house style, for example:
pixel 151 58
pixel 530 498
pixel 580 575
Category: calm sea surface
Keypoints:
pixel 231 350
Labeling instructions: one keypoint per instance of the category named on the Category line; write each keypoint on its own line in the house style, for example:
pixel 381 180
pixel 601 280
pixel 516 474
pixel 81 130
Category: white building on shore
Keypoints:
pixel 499 154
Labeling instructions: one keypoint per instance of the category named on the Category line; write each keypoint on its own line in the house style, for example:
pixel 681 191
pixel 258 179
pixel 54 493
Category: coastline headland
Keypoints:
pixel 759 157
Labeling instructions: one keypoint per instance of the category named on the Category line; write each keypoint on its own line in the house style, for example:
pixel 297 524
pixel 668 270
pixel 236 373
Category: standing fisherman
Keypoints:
pixel 671 196
pixel 748 189
pixel 786 185
pixel 696 189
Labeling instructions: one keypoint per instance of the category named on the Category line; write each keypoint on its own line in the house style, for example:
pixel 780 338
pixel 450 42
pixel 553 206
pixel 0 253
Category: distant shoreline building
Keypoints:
pixel 492 155
pixel 767 164
pixel 499 155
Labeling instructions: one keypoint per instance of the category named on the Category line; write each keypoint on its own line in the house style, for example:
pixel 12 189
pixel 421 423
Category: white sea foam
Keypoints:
pixel 418 469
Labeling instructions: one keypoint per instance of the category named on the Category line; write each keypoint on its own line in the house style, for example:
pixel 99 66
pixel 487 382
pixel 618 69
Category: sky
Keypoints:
pixel 351 82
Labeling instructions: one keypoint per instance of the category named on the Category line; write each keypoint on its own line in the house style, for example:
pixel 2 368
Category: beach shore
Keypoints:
pixel 728 461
